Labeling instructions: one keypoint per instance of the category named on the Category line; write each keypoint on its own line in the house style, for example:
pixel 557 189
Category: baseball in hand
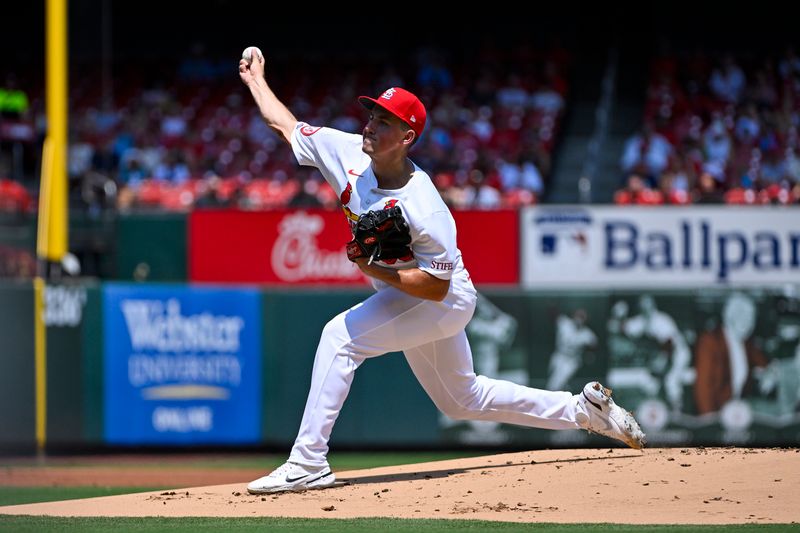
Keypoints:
pixel 247 55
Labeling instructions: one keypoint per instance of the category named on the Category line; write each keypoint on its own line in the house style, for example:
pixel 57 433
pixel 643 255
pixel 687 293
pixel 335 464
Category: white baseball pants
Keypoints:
pixel 431 334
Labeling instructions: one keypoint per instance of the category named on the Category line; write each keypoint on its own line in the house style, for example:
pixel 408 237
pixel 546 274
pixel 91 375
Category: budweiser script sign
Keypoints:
pixel 296 256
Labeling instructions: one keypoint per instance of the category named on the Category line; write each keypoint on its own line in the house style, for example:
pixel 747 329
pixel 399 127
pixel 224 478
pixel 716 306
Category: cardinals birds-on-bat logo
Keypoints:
pixel 346 194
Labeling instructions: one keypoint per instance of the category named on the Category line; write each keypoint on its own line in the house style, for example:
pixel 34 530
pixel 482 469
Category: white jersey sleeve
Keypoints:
pixel 435 248
pixel 327 149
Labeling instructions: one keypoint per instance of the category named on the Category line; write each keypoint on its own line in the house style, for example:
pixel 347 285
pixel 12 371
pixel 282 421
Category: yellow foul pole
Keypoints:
pixel 51 245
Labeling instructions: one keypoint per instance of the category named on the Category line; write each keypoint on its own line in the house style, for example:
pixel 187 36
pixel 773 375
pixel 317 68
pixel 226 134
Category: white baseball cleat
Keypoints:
pixel 293 477
pixel 598 413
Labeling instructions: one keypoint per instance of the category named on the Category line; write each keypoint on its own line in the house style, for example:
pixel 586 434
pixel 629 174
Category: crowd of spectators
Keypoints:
pixel 717 129
pixel 192 137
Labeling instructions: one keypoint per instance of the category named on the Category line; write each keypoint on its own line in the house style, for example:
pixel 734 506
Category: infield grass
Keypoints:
pixel 36 524
pixel 21 495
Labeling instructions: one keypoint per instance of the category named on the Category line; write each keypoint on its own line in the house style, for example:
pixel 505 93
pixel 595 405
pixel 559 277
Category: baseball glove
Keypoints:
pixel 381 234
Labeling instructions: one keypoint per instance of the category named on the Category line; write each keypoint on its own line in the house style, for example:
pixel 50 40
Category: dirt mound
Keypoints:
pixel 658 486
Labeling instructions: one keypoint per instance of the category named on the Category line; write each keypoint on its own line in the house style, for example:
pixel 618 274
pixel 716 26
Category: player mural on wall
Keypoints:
pixel 748 366
pixel 665 370
pixel 732 360
pixel 491 334
pixel 422 303
pixel 573 340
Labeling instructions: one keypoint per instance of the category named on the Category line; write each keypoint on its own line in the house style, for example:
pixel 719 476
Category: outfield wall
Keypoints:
pixel 699 367
pixel 691 315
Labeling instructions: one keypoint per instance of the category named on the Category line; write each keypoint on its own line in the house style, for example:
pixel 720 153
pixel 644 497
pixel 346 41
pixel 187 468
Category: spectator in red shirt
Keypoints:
pixel 637 192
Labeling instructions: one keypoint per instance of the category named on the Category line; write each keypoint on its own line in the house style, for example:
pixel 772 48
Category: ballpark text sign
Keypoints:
pixel 656 247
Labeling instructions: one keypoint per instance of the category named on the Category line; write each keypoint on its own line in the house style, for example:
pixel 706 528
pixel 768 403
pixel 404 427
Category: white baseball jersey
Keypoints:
pixel 430 333
pixel 348 170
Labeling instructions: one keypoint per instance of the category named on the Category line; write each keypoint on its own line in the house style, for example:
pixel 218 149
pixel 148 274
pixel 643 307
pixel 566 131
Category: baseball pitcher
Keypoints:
pixel 404 240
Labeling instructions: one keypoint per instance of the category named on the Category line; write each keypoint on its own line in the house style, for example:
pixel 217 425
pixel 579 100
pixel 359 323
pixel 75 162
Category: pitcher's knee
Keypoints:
pixel 454 411
pixel 335 329
pixel 462 407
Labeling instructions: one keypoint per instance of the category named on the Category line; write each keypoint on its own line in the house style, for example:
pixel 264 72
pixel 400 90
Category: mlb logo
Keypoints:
pixel 549 241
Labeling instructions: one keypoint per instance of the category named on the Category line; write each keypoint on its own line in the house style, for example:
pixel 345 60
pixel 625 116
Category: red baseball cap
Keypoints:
pixel 402 104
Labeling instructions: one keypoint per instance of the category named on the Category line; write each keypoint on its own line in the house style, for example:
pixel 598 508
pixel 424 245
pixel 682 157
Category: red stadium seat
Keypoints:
pixel 14 197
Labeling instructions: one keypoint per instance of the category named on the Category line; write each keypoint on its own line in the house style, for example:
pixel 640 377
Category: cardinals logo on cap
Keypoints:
pixel 402 104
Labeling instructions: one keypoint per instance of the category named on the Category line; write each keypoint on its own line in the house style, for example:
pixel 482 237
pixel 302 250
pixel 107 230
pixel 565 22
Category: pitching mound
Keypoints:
pixel 657 486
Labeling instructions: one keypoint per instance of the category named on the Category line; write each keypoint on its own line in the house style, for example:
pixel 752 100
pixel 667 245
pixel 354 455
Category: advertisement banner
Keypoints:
pixel 308 247
pixel 281 247
pixel 182 365
pixel 489 244
pixel 572 246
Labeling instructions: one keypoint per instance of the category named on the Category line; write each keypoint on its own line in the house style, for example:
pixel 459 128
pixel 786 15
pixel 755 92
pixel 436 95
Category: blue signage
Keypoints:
pixel 182 364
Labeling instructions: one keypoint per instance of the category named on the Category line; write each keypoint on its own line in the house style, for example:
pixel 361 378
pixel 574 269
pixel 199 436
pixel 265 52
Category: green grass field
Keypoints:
pixel 20 495
pixel 290 525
